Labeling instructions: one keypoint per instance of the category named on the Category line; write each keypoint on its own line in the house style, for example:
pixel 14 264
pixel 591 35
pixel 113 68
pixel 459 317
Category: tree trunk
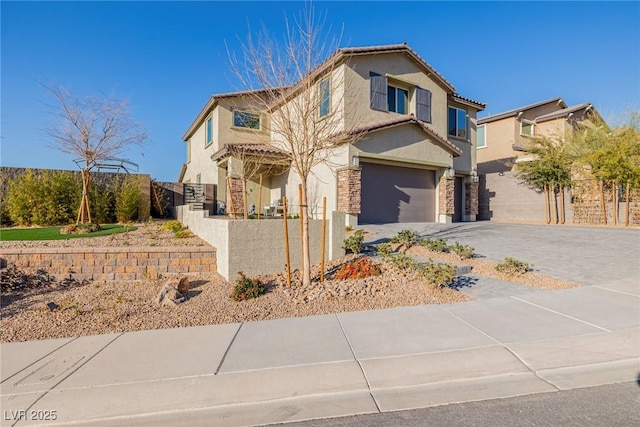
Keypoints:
pixel 554 206
pixel 84 214
pixel 546 204
pixel 562 216
pixel 603 206
pixel 306 256
pixel 614 197
pixel 244 198
pixel 627 194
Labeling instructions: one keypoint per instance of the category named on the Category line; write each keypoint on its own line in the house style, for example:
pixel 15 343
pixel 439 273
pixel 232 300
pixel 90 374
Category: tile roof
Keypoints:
pixel 515 111
pixel 459 98
pixel 564 112
pixel 249 148
pixel 402 120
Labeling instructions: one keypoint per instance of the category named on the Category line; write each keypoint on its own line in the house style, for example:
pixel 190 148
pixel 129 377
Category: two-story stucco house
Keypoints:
pixel 414 159
pixel 501 140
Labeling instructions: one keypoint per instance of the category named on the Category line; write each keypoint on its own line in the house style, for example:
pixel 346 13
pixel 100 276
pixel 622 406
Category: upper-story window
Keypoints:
pixel 398 100
pixel 324 95
pixel 527 128
pixel 245 119
pixel 458 123
pixel 189 150
pixel 481 136
pixel 209 132
pixel 386 97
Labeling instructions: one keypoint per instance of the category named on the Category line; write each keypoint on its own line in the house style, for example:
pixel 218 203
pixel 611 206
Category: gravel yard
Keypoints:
pixel 107 307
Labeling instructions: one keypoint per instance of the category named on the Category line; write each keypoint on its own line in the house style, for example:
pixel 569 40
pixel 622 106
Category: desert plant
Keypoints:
pixel 358 269
pixel 463 251
pixel 246 288
pixel 513 267
pixel 353 243
pixel 384 250
pixel 127 198
pixel 183 234
pixel 406 238
pixel 439 275
pixel 173 225
pixel 435 245
pixel 402 261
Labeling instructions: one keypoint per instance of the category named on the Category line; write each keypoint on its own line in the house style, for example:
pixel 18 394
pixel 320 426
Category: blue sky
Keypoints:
pixel 167 58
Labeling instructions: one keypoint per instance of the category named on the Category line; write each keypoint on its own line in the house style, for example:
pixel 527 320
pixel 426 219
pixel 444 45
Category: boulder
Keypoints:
pixel 169 296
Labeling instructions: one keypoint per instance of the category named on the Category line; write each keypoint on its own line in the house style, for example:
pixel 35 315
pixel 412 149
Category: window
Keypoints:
pixel 209 135
pixel 324 95
pixel 198 178
pixel 398 100
pixel 527 128
pixel 481 136
pixel 458 123
pixel 188 151
pixel 244 119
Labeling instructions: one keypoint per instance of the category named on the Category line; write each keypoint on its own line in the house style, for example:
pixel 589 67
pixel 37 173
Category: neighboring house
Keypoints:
pixel 502 137
pixel 414 161
pixel 501 140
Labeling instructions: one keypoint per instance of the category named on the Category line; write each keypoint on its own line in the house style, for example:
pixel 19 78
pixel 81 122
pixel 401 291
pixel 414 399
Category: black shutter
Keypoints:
pixel 423 104
pixel 378 92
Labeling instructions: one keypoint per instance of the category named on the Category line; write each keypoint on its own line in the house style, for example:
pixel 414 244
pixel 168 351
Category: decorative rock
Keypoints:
pixel 183 285
pixel 168 296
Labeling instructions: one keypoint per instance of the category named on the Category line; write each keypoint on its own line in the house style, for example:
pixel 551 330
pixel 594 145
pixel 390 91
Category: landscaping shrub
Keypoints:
pixel 463 251
pixel 128 197
pixel 102 204
pixel 406 238
pixel 402 261
pixel 384 250
pixel 45 198
pixel 183 234
pixel 439 275
pixel 513 267
pixel 246 288
pixel 358 269
pixel 436 245
pixel 173 225
pixel 353 243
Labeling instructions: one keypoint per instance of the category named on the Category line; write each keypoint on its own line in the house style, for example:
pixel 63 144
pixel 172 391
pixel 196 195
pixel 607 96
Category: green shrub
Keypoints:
pixel 513 267
pixel 402 261
pixel 173 225
pixel 102 203
pixel 439 275
pixel 406 238
pixel 182 234
pixel 384 250
pixel 463 251
pixel 45 198
pixel 436 245
pixel 247 288
pixel 128 196
pixel 353 243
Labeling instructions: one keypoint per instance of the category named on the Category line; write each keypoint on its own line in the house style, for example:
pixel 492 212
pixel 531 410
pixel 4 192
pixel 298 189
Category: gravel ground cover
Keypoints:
pixel 98 307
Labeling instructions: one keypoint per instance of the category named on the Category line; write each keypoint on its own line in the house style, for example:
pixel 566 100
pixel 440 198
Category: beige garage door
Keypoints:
pixel 397 194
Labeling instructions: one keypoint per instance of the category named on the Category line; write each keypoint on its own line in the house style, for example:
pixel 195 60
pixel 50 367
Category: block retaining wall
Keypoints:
pixel 112 263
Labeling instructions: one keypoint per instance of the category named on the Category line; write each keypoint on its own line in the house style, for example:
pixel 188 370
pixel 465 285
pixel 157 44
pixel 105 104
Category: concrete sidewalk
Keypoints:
pixel 326 366
pixel 509 343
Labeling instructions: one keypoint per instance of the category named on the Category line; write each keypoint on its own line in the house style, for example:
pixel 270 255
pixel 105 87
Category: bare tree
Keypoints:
pixel 96 129
pixel 299 89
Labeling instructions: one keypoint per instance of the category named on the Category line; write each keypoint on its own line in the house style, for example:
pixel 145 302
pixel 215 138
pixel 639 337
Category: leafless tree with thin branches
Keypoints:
pixel 299 88
pixel 93 128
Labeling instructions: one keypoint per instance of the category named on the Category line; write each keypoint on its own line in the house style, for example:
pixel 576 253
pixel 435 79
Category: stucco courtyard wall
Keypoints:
pixel 257 246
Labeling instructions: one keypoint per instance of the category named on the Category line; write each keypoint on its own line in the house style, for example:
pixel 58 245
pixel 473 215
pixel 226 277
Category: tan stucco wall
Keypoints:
pixel 499 136
pixel 200 162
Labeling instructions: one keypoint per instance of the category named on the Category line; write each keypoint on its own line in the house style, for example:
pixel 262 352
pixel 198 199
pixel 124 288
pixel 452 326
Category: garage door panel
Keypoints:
pixel 397 194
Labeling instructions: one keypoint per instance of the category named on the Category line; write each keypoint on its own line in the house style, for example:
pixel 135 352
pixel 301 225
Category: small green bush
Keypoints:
pixel 182 234
pixel 463 251
pixel 173 225
pixel 353 243
pixel 406 238
pixel 247 288
pixel 384 250
pixel 513 267
pixel 435 245
pixel 439 275
pixel 402 261
pixel 128 196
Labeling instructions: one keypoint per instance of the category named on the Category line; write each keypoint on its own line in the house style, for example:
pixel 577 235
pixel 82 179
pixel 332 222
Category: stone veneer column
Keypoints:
pixel 471 198
pixel 447 205
pixel 236 190
pixel 349 190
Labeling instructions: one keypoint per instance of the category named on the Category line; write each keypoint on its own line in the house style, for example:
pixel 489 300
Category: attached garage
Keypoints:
pixel 396 194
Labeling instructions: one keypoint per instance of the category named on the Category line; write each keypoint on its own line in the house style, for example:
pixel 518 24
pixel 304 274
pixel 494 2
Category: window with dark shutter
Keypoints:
pixel 378 92
pixel 423 104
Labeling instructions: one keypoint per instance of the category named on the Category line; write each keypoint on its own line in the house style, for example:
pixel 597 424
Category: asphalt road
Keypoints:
pixel 608 405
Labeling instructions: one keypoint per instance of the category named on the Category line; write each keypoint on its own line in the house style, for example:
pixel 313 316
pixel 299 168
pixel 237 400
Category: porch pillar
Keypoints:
pixel 446 196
